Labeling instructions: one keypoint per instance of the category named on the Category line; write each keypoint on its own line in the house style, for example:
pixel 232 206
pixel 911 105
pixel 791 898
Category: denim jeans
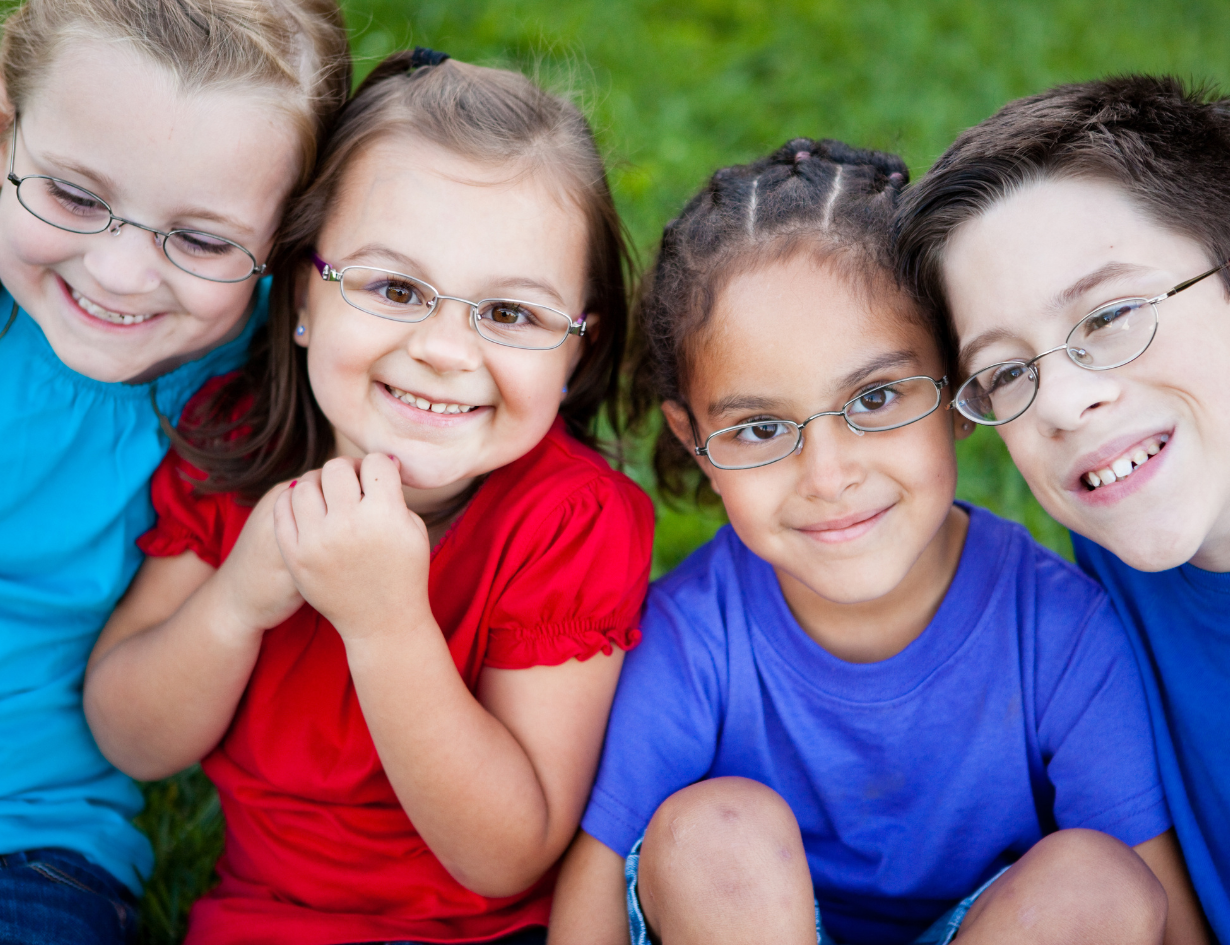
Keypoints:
pixel 58 897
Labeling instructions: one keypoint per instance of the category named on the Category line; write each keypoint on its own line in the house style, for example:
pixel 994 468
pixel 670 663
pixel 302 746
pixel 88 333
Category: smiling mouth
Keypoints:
pixel 91 307
pixel 422 403
pixel 1126 464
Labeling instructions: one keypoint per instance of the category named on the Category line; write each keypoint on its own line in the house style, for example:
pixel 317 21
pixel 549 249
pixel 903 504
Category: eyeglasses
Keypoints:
pixel 76 210
pixel 1108 337
pixel 886 407
pixel 402 298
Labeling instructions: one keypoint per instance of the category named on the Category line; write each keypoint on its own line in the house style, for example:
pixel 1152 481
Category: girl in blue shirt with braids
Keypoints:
pixel 862 713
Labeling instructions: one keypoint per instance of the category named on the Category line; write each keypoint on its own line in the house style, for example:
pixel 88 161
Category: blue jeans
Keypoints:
pixel 58 897
pixel 941 932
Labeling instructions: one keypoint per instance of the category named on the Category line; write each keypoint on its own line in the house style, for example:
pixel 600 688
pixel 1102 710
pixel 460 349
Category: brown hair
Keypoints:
pixel 822 197
pixel 489 115
pixel 1165 145
pixel 296 48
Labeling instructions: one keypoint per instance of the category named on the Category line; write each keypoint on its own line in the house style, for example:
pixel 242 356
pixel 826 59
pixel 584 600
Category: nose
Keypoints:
pixel 125 263
pixel 446 341
pixel 829 460
pixel 1068 395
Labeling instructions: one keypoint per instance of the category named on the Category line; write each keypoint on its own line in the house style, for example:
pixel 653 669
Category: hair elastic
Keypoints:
pixel 422 56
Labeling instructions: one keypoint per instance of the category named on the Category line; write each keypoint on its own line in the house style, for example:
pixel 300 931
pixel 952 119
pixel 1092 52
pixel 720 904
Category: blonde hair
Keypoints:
pixel 296 48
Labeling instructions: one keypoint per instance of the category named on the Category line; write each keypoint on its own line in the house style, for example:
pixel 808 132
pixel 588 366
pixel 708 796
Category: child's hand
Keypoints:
pixel 358 555
pixel 259 585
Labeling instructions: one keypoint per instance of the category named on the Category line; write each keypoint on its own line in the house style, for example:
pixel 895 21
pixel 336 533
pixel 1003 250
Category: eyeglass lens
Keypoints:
pixel 1109 337
pixel 402 298
pixel 76 210
pixel 877 410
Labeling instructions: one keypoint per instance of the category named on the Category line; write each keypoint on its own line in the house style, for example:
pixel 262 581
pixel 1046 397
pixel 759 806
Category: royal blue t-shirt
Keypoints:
pixel 76 456
pixel 1179 624
pixel 1019 709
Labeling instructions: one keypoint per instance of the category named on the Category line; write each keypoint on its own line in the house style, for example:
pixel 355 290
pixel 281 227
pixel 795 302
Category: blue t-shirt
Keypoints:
pixel 76 456
pixel 1179 624
pixel 1018 709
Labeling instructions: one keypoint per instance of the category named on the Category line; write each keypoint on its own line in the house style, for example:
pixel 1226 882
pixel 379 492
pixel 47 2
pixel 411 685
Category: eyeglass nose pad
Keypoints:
pixel 115 227
pixel 855 430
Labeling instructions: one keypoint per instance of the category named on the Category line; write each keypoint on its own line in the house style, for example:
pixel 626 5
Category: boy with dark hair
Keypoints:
pixel 1057 241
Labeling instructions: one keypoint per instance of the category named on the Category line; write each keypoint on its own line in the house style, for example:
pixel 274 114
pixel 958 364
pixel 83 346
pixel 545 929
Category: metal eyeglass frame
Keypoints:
pixel 329 274
pixel 798 443
pixel 114 223
pixel 1074 352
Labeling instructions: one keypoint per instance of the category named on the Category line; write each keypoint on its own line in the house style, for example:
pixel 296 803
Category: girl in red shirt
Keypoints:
pixel 397 669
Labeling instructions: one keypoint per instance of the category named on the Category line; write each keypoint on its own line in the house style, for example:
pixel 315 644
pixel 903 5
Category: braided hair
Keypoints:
pixel 821 197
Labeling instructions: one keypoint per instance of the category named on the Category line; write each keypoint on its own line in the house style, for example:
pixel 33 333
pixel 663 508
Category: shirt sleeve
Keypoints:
pixel 581 588
pixel 664 725
pixel 186 521
pixel 1095 733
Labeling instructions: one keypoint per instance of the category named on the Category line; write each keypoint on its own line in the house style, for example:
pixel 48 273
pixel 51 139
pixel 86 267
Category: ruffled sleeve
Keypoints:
pixel 580 589
pixel 187 521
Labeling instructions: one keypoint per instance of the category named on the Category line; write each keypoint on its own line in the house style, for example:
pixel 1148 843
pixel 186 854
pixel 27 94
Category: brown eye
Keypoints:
pixel 399 293
pixel 874 400
pixel 505 314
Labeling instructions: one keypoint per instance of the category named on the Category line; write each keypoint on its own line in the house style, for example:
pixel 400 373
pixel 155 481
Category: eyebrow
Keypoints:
pixel 1061 300
pixel 103 182
pixel 1106 273
pixel 746 403
pixel 411 266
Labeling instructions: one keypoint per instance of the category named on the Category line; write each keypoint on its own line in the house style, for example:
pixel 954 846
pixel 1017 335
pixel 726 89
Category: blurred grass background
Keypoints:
pixel 676 89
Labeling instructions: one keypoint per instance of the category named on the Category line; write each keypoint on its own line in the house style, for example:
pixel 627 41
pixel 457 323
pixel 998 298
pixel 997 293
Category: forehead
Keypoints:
pixel 122 119
pixel 458 218
pixel 1014 260
pixel 803 322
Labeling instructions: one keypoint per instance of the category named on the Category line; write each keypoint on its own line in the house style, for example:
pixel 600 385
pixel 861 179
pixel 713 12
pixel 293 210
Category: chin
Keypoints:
pixel 1155 550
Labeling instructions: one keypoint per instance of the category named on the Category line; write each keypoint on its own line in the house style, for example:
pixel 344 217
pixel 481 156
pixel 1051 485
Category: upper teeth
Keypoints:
pixel 424 404
pixel 116 318
pixel 1123 467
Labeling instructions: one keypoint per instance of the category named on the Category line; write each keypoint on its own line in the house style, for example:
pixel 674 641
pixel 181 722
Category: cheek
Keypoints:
pixel 29 241
pixel 530 388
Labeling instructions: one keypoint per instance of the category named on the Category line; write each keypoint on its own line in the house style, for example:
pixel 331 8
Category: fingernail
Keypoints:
pixel 292 483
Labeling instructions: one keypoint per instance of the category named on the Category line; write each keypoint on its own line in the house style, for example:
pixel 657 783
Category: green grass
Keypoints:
pixel 678 88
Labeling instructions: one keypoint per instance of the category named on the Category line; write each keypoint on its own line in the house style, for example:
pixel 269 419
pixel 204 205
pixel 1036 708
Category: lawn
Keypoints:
pixel 676 89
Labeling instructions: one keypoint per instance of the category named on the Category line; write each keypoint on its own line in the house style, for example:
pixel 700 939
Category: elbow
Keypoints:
pixel 123 751
pixel 496 880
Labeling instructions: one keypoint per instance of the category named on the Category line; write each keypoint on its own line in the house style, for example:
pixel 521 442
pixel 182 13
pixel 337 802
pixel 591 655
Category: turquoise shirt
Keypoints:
pixel 76 456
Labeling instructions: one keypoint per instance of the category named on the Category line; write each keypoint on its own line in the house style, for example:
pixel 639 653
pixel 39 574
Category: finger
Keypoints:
pixel 340 484
pixel 381 479
pixel 308 501
pixel 285 529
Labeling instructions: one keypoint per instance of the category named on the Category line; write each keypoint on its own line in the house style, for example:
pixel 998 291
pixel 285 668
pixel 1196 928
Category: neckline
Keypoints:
pixel 964 609
pixel 184 376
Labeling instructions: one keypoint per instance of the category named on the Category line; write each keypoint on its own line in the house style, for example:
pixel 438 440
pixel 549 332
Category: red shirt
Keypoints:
pixel 549 561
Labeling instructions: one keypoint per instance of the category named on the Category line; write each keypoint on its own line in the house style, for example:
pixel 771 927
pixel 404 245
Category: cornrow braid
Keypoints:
pixel 824 197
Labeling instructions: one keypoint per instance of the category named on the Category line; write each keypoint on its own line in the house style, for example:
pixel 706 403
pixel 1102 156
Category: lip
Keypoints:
pixel 1119 490
pixel 847 528
pixel 426 417
pixel 101 324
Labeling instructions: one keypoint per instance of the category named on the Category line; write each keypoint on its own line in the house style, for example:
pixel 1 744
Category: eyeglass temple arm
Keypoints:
pixel 327 272
pixel 1191 282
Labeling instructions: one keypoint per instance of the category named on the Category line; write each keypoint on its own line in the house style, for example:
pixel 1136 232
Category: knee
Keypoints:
pixel 1117 893
pixel 729 835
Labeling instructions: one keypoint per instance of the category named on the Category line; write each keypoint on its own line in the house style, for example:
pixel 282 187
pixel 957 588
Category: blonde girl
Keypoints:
pixel 150 147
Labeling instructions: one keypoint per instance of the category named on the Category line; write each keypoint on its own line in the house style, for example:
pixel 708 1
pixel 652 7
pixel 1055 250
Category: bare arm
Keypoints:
pixel 1185 924
pixel 495 784
pixel 590 906
pixel 171 665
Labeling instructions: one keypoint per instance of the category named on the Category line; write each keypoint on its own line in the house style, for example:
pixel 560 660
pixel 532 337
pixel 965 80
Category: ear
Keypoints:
pixel 677 419
pixel 302 274
pixel 962 426
pixel 8 112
